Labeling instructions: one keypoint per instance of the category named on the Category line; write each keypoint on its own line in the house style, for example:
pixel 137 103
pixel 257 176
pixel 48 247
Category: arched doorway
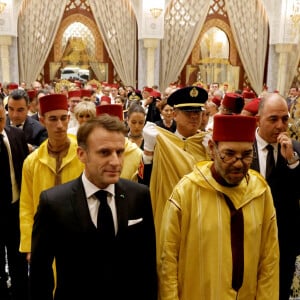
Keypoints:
pixel 214 57
pixel 78 45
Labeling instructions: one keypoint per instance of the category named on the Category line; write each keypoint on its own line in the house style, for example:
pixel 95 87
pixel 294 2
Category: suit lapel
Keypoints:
pixel 80 205
pixel 281 161
pixel 81 209
pixel 13 142
pixel 255 162
pixel 121 198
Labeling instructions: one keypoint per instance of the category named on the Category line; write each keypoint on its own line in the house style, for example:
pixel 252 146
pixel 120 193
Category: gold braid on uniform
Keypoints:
pixel 58 154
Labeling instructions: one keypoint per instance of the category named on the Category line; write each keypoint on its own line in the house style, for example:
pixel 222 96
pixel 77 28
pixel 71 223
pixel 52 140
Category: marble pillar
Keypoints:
pixel 150 45
pixel 283 62
pixel 5 43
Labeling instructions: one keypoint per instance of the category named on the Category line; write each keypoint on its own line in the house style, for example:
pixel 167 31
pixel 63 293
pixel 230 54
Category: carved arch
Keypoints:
pixel 233 54
pixel 89 23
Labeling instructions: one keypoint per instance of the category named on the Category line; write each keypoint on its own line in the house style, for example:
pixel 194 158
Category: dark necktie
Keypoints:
pixel 105 223
pixel 5 178
pixel 270 163
pixel 237 244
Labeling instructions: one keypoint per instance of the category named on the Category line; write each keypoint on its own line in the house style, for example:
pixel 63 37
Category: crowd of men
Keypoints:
pixel 208 211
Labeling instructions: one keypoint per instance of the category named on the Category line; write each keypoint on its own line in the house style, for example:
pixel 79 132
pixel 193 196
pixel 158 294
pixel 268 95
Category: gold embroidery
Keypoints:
pixel 194 92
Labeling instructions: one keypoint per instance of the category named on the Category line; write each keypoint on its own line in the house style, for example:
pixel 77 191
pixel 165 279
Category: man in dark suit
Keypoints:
pixel 13 151
pixel 18 105
pixel 283 180
pixel 103 246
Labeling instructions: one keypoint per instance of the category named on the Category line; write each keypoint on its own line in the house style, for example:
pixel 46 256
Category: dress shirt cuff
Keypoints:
pixel 294 165
pixel 147 159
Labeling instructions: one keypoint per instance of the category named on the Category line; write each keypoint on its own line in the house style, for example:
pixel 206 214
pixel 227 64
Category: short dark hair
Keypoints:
pixel 41 91
pixel 105 121
pixel 19 94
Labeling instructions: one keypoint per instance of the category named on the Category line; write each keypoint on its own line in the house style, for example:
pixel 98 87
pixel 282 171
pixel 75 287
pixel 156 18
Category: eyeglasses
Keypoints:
pixel 229 157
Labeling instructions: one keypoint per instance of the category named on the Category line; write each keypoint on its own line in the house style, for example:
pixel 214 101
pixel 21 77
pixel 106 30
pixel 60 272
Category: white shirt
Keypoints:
pixel 20 126
pixel 73 121
pixel 263 152
pixel 15 189
pixel 93 203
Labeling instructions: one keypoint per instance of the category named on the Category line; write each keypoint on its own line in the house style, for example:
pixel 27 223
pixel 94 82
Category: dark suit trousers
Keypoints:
pixel 287 269
pixel 17 264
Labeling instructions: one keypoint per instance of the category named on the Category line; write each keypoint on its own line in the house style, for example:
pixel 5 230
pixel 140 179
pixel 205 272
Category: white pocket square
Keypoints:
pixel 133 222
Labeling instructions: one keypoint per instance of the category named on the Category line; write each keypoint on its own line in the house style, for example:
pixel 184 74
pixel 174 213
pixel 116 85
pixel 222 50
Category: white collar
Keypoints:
pixel 261 143
pixel 91 189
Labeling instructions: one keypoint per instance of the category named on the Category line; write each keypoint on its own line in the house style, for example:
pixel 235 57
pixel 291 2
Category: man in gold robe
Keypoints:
pixel 53 163
pixel 218 237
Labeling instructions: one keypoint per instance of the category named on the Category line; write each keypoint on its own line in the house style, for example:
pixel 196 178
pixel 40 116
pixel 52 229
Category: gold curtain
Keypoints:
pixel 249 25
pixel 183 23
pixel 117 24
pixel 37 26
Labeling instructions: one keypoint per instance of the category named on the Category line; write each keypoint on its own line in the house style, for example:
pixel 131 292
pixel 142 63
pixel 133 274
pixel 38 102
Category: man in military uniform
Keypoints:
pixel 169 156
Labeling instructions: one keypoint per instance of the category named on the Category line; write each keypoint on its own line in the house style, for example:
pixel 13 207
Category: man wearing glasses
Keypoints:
pixel 218 237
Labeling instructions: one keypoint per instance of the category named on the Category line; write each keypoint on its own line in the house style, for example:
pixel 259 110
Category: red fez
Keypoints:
pixel 12 86
pixel 234 128
pixel 75 93
pixel 31 94
pixel 105 99
pixel 94 86
pixel 155 94
pixel 252 106
pixel 53 102
pixel 110 109
pixel 233 102
pixel 114 85
pixel 86 93
pixel 147 89
pixel 216 101
pixel 248 95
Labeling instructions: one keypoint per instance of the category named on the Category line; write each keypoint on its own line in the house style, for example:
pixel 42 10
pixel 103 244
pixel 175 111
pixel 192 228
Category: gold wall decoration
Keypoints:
pixel 75 53
pixel 66 22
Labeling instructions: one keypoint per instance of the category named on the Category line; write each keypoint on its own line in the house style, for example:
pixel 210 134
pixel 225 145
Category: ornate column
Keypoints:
pixel 5 42
pixel 150 45
pixel 9 69
pixel 283 64
pixel 150 32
